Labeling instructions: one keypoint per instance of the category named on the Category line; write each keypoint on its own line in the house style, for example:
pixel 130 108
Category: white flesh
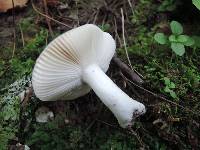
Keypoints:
pixel 123 107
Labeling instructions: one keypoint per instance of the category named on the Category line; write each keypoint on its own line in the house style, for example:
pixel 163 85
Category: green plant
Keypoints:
pixel 167 5
pixel 26 25
pixel 35 45
pixel 196 41
pixel 6 133
pixel 169 87
pixel 2 63
pixel 177 39
pixel 191 76
pixel 141 42
pixel 196 3
pixel 20 68
pixel 10 110
pixel 105 27
pixel 142 12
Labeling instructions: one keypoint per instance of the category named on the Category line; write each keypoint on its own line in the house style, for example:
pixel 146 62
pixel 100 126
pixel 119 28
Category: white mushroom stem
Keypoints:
pixel 123 107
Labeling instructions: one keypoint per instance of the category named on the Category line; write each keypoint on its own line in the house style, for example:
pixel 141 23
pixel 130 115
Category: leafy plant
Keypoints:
pixel 191 76
pixel 6 133
pixel 142 12
pixel 196 41
pixel 141 41
pixel 26 24
pixel 2 63
pixel 105 27
pixel 169 87
pixel 167 5
pixel 21 68
pixel 35 45
pixel 196 3
pixel 10 110
pixel 177 40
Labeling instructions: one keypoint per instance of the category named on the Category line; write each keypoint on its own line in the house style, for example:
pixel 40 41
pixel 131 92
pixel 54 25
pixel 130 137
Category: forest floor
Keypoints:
pixel 170 89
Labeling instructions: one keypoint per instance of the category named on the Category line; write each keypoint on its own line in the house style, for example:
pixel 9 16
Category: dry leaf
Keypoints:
pixel 5 5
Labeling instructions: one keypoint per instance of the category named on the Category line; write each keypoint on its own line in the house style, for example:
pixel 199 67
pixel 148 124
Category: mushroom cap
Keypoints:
pixel 57 74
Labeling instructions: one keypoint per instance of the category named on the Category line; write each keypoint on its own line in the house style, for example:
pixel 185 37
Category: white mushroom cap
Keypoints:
pixel 58 70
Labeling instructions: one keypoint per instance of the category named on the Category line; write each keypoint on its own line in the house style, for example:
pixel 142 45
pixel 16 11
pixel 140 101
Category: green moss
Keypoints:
pixel 10 110
pixel 142 11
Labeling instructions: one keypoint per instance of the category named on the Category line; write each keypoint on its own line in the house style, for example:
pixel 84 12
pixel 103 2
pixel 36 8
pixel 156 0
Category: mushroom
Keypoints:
pixel 75 62
pixel 43 114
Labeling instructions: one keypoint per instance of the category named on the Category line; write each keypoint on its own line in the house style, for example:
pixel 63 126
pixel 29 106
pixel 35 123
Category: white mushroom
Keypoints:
pixel 76 61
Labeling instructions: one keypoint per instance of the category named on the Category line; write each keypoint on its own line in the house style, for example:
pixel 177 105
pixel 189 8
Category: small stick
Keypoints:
pixel 35 9
pixel 47 19
pixel 164 99
pixel 117 35
pixel 78 22
pixel 22 35
pixel 124 68
pixel 14 29
pixel 132 132
pixel 124 40
pixel 95 17
pixel 131 6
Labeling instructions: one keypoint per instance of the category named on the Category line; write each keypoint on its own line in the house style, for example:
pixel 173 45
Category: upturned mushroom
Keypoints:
pixel 75 62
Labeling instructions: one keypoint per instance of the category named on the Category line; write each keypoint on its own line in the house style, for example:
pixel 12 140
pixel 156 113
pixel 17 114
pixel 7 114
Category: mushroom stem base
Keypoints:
pixel 122 106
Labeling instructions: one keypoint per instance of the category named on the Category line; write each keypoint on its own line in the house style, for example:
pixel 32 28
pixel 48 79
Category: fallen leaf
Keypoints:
pixel 5 5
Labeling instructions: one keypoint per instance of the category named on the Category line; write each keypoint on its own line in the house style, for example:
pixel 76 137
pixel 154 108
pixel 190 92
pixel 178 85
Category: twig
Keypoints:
pixel 164 99
pixel 47 19
pixel 129 2
pixel 78 22
pixel 116 33
pixel 124 40
pixel 136 135
pixel 95 17
pixel 14 29
pixel 22 35
pixel 131 73
pixel 107 123
pixel 36 10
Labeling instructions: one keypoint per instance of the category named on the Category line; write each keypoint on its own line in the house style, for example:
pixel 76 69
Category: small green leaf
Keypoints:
pixel 173 94
pixel 167 90
pixel 172 38
pixel 171 7
pixel 196 41
pixel 160 38
pixel 172 85
pixel 196 3
pixel 176 27
pixel 178 48
pixel 167 81
pixel 189 42
pixel 167 5
pixel 182 38
pixel 105 27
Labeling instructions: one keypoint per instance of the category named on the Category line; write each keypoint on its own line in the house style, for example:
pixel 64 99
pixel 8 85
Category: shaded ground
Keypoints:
pixel 86 123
